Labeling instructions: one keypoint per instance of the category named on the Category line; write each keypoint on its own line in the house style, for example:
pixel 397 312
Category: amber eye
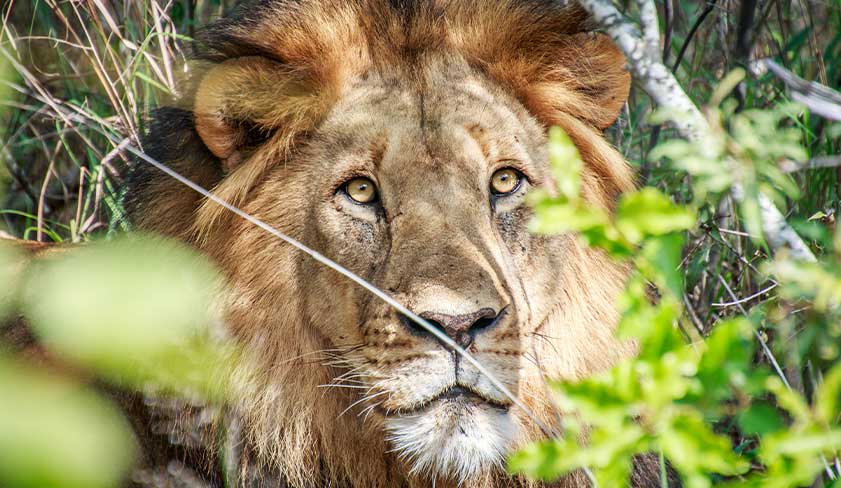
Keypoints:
pixel 361 190
pixel 505 181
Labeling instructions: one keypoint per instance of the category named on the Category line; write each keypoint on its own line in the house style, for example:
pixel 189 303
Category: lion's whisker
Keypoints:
pixel 328 353
pixel 363 399
pixel 338 385
pixel 351 381
pixel 368 410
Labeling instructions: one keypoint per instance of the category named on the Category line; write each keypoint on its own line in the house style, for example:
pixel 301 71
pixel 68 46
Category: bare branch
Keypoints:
pixel 820 99
pixel 790 166
pixel 656 79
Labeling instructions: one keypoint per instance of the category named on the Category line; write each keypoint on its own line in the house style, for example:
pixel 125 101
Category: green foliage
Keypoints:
pixel 643 406
pixel 641 215
pixel 9 270
pixel 792 455
pixel 54 433
pixel 136 312
pixel 820 282
pixel 135 309
pixel 673 397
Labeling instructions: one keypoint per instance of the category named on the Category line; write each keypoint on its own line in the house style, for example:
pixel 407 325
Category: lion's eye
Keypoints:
pixel 361 190
pixel 505 181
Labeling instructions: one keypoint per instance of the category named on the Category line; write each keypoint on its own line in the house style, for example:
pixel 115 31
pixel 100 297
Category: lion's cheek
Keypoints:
pixel 356 243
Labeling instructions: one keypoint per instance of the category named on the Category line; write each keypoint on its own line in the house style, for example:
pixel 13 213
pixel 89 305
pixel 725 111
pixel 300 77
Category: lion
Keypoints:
pixel 398 138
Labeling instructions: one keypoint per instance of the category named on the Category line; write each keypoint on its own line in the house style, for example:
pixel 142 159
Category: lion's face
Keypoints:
pixel 406 160
pixel 442 227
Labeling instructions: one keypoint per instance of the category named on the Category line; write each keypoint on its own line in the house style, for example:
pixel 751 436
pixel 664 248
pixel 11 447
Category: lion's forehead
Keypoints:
pixel 447 126
pixel 382 101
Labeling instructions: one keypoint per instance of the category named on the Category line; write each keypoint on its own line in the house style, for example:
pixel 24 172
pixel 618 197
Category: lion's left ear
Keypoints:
pixel 582 75
pixel 601 78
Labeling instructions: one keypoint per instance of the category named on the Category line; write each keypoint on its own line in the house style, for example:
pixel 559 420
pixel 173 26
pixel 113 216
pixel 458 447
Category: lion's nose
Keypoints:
pixel 460 328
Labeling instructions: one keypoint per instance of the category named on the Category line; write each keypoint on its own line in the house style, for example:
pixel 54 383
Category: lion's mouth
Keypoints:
pixel 454 394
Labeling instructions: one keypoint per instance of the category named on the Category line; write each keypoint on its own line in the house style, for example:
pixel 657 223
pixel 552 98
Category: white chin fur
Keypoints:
pixel 453 439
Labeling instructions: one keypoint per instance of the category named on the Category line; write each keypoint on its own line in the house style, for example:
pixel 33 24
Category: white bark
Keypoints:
pixel 650 28
pixel 657 80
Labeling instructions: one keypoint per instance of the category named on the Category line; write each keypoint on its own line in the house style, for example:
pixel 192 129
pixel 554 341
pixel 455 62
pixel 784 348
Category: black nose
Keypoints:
pixel 460 328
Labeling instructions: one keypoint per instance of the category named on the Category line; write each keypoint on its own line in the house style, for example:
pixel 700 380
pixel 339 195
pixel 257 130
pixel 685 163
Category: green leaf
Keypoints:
pixel 725 362
pixel 660 259
pixel 10 264
pixel 819 282
pixel 828 397
pixel 547 460
pixel 726 85
pixel 566 164
pixel 135 309
pixel 816 442
pixel 552 217
pixel 760 418
pixel 650 213
pixel 653 326
pixel 788 400
pixel 750 210
pixel 693 448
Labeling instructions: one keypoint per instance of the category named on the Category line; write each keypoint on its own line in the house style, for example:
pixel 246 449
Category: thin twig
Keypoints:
pixel 745 299
pixel 774 363
pixel 819 162
pixel 692 30
pixel 42 196
pixel 820 99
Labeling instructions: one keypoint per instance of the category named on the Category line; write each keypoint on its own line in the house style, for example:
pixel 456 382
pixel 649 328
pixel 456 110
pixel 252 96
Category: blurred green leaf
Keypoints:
pixel 819 282
pixel 56 434
pixel 546 460
pixel 828 397
pixel 694 449
pixel 760 418
pixel 566 163
pixel 726 360
pixel 136 309
pixel 660 260
pixel 648 212
pixel 726 86
pixel 557 218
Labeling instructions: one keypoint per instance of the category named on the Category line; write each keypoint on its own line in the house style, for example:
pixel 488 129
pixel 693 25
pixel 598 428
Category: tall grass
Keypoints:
pixel 109 62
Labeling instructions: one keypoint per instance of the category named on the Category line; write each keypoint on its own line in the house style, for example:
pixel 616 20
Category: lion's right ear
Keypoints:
pixel 243 103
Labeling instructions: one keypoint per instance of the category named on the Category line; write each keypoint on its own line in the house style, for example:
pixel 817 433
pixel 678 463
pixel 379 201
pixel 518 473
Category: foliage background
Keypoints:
pixel 107 62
